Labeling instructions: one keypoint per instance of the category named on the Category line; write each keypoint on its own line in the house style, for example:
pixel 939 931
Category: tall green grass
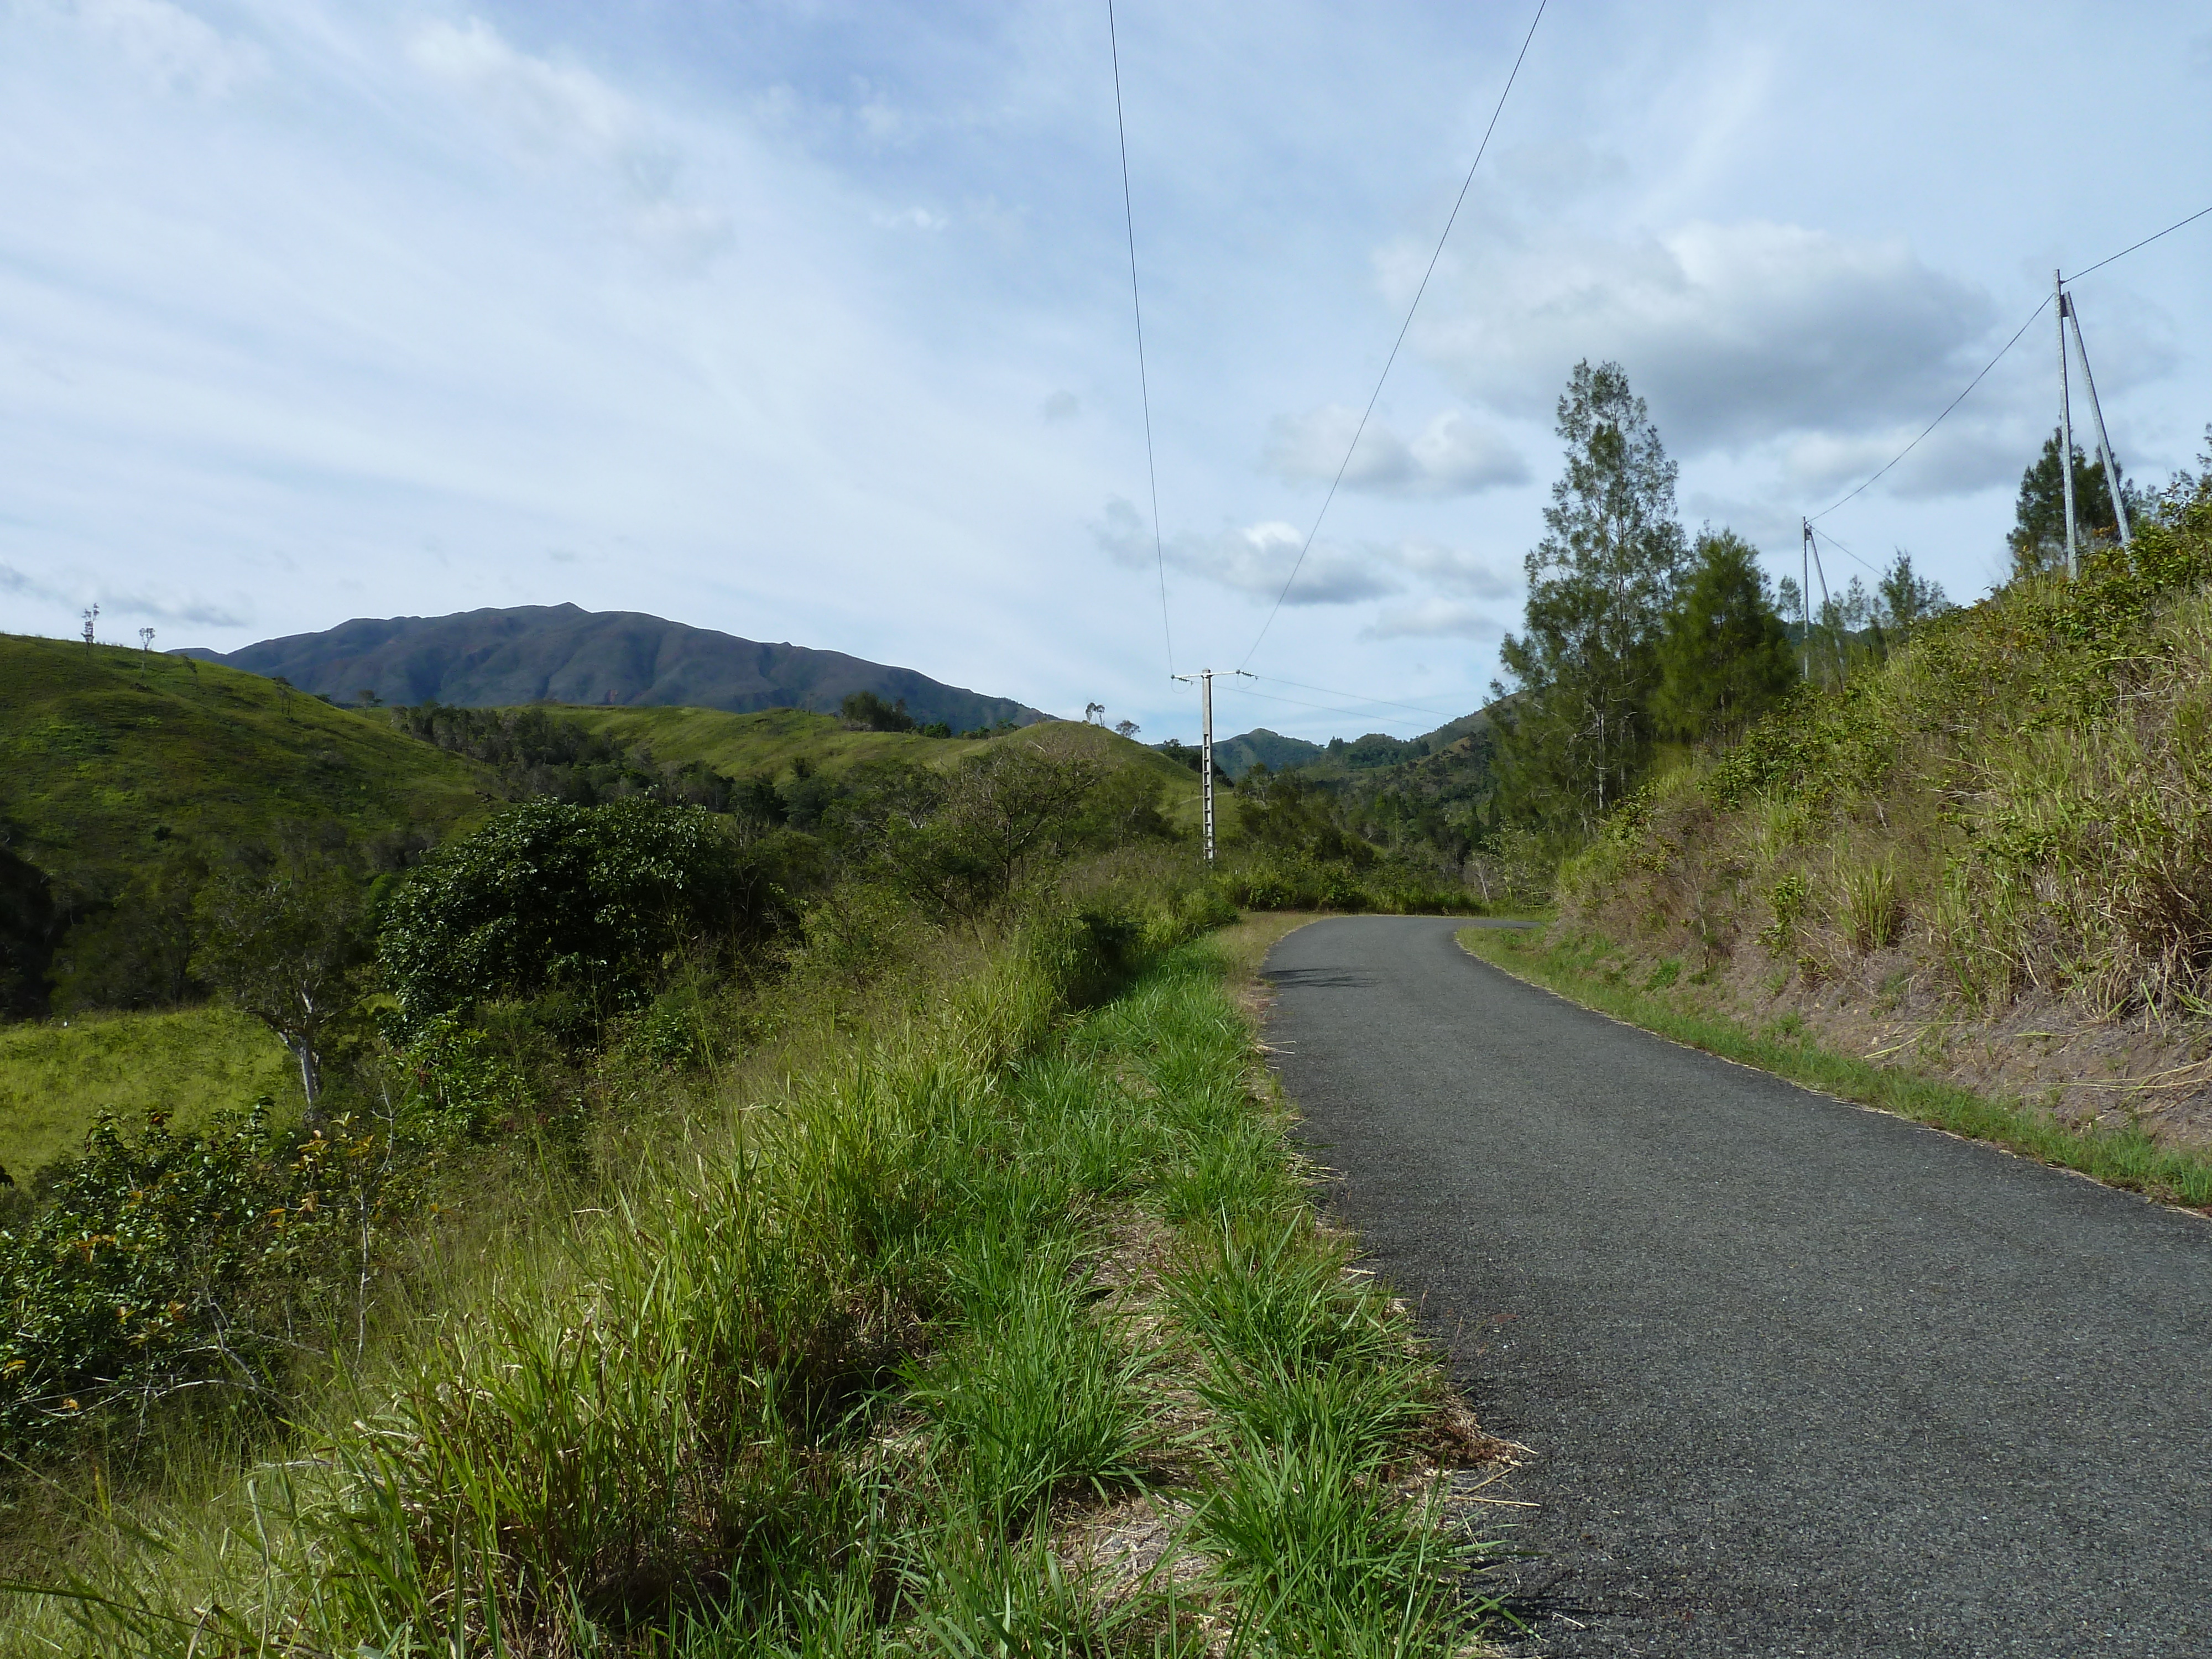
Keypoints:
pixel 834 1373
pixel 56 1077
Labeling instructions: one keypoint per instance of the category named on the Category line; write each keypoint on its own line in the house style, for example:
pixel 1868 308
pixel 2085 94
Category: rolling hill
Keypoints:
pixel 740 745
pixel 1339 757
pixel 562 654
pixel 114 762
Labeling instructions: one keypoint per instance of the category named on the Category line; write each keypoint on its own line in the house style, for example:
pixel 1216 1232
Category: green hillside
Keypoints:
pixel 741 745
pixel 56 1077
pixel 110 756
pixel 1986 856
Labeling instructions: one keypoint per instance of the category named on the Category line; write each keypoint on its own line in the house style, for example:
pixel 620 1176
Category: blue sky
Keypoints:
pixel 811 322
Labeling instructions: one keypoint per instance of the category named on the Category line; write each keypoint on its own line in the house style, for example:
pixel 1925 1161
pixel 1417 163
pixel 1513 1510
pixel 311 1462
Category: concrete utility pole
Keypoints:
pixel 2065 426
pixel 1805 593
pixel 2096 408
pixel 1205 679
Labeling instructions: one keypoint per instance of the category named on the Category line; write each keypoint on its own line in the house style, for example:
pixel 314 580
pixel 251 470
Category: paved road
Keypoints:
pixel 1797 1378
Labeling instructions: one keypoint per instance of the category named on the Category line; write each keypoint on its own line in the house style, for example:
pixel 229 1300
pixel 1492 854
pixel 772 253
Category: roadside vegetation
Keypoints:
pixel 826 1209
pixel 1960 848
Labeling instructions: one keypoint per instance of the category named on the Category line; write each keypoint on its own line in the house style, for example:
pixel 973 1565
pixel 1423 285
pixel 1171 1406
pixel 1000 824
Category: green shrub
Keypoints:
pixel 593 900
pixel 179 1263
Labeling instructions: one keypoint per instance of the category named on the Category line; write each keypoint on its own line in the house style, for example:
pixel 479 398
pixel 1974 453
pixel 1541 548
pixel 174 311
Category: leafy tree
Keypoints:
pixel 1725 656
pixel 283 945
pixel 138 953
pixel 1282 813
pixel 2038 537
pixel 588 900
pixel 964 842
pixel 1903 601
pixel 181 1260
pixel 870 713
pixel 27 929
pixel 1573 740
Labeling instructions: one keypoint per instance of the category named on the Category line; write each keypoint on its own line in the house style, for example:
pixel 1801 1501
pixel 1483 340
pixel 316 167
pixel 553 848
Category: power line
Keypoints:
pixel 1369 412
pixel 2146 242
pixel 1993 361
pixel 1846 551
pixel 1300 702
pixel 1938 421
pixel 1332 691
pixel 1144 382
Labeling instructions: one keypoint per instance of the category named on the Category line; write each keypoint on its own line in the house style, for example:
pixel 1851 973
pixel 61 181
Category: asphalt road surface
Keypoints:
pixel 1796 1377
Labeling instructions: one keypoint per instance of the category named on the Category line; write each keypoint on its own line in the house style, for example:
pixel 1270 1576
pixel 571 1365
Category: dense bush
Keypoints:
pixel 174 1262
pixel 591 900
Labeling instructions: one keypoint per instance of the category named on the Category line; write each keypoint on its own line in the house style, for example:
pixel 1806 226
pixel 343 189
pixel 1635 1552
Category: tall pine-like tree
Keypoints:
pixel 2038 537
pixel 1725 657
pixel 1578 734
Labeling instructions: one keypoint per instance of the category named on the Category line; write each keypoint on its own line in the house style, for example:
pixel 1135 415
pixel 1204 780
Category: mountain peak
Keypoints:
pixel 562 653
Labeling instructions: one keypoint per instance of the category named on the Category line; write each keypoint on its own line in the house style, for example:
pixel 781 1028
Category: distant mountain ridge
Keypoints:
pixel 1260 747
pixel 564 654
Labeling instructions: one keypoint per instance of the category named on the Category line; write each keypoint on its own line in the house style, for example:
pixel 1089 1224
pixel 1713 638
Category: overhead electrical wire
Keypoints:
pixel 1136 306
pixel 1823 535
pixel 2146 242
pixel 1334 691
pixel 1366 413
pixel 2006 346
pixel 1938 421
pixel 1297 703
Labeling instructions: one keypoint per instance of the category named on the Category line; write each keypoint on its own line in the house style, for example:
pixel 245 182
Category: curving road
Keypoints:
pixel 1796 1377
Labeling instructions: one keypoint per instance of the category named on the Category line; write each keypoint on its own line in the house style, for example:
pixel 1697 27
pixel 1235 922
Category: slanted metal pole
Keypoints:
pixel 2104 441
pixel 2065 426
pixel 1828 608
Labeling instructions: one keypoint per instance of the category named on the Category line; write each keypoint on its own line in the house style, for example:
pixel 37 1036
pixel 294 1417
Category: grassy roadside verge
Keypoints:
pixel 912 1354
pixel 1588 971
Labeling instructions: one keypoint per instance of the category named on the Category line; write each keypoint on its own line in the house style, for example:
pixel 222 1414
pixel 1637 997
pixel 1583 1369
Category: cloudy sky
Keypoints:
pixel 810 321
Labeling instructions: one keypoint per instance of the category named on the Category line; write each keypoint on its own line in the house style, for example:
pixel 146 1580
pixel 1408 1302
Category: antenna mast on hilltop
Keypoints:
pixel 1205 678
pixel 91 616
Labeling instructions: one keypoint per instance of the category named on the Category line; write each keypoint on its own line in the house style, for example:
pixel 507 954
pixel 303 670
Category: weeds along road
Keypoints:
pixel 1797 1378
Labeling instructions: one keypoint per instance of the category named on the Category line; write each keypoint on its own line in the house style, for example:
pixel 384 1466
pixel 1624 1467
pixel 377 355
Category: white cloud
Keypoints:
pixel 201 612
pixel 1250 559
pixel 912 218
pixel 1734 333
pixel 1451 569
pixel 1256 560
pixel 550 110
pixel 1452 456
pixel 171 46
pixel 542 102
pixel 1433 619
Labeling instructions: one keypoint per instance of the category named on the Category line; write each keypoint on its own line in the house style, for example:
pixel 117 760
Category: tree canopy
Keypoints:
pixel 1725 656
pixel 2038 537
pixel 590 899
pixel 1599 584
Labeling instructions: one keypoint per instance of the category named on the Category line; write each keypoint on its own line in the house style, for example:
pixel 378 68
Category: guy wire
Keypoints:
pixel 1365 414
pixel 1136 305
